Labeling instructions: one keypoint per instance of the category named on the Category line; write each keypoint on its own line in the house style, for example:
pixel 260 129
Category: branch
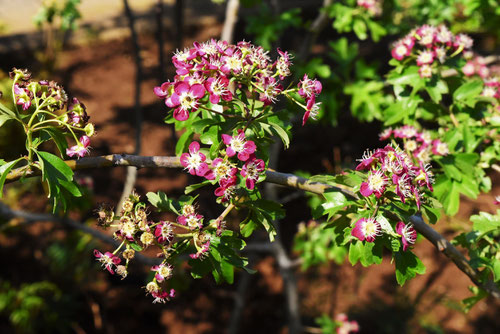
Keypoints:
pixel 230 21
pixel 287 180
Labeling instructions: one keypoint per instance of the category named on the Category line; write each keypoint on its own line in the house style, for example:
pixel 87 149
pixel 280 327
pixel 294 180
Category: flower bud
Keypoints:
pixel 128 254
pixel 89 129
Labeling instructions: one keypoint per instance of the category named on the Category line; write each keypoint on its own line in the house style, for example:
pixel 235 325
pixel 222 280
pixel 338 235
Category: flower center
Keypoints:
pixel 237 144
pixel 192 222
pixel 194 161
pixel 377 181
pixel 370 228
pixel 188 101
pixel 165 271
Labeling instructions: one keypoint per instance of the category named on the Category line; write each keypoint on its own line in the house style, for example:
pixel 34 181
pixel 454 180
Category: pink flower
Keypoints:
pixel 251 171
pixel 368 161
pixel 469 69
pixel 424 176
pixel 270 90
pixel 162 296
pixel 108 260
pixel 425 71
pixel 375 184
pixel 283 64
pixel 80 149
pixel 238 145
pixel 312 110
pixel 439 148
pixel 463 41
pixel 218 88
pixel 408 234
pixel 226 189
pixel 399 51
pixel 194 161
pixel 163 271
pixel 366 229
pixel 309 87
pixel 164 90
pixel 223 169
pixel 403 186
pixel 22 97
pixel 191 220
pixel 201 251
pixel 164 232
pixel 425 58
pixel 185 99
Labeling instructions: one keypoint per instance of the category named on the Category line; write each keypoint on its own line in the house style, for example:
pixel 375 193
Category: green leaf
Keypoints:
pixel 7 112
pixel 355 251
pixel 485 222
pixel 57 174
pixel 193 187
pixel 436 88
pixel 335 201
pixel 135 247
pixel 4 171
pixel 4 118
pixel 359 28
pixel 468 90
pixel 71 187
pixel 408 265
pixel 183 142
pixel 281 133
pixel 59 139
pixel 410 76
pixel 161 201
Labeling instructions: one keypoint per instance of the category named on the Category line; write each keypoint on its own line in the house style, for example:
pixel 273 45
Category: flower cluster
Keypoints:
pixel 374 7
pixel 225 168
pixel 418 145
pixel 430 45
pixel 48 99
pixel 221 73
pixel 391 169
pixel 476 65
pixel 136 233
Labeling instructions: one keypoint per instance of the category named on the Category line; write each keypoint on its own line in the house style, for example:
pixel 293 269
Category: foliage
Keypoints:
pixel 438 105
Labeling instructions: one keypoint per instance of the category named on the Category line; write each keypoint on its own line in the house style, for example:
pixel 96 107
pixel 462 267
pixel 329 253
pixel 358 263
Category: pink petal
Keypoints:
pixel 365 189
pixel 181 114
pixel 194 147
pixel 227 139
pixel 198 90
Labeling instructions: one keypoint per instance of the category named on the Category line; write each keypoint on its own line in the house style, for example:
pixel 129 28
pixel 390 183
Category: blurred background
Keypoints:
pixel 110 54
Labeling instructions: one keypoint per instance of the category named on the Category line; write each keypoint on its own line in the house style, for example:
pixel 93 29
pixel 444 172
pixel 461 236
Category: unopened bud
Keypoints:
pixel 128 254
